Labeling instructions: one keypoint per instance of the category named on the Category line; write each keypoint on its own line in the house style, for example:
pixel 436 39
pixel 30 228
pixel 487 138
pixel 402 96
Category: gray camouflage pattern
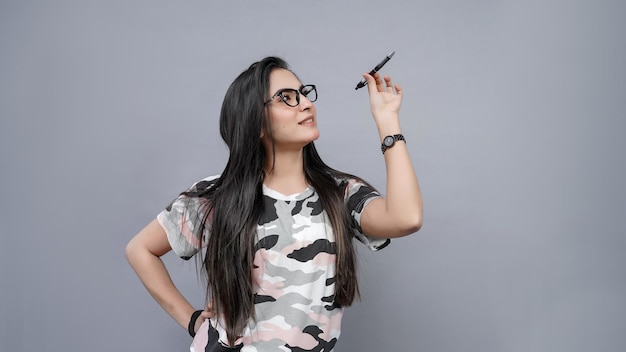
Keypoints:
pixel 294 268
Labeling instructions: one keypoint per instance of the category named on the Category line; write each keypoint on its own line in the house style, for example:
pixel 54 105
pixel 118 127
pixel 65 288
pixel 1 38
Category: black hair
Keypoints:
pixel 234 204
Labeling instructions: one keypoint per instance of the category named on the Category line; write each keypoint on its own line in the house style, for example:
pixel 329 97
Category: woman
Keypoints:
pixel 278 223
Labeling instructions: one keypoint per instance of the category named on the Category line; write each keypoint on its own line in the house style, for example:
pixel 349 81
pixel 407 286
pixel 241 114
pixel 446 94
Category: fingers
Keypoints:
pixel 376 83
pixel 203 316
pixel 208 312
pixel 398 89
pixel 379 83
pixel 207 315
pixel 371 83
pixel 388 85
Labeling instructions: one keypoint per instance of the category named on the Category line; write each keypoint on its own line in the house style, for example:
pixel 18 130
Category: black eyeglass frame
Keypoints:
pixel 298 91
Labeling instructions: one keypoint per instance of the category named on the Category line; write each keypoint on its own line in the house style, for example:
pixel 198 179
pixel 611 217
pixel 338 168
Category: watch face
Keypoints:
pixel 388 141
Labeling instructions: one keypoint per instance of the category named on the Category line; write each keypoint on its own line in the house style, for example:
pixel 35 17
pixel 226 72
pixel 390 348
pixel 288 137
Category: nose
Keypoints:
pixel 305 103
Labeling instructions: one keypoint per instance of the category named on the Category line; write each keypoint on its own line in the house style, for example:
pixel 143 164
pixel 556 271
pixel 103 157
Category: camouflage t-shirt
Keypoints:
pixel 294 269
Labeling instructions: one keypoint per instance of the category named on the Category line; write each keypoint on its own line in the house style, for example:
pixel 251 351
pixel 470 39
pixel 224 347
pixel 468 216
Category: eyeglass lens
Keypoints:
pixel 291 97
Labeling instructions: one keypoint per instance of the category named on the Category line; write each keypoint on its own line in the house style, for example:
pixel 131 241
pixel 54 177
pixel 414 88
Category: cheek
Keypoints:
pixel 277 126
pixel 279 129
pixel 282 119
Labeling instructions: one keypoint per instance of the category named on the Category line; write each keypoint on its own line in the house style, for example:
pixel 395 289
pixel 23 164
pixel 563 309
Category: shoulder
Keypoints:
pixel 347 182
pixel 198 192
pixel 203 185
pixel 344 180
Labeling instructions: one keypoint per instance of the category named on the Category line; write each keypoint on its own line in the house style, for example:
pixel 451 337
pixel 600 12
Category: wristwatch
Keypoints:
pixel 389 141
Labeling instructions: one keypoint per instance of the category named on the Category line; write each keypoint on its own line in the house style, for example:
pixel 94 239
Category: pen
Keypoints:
pixel 363 83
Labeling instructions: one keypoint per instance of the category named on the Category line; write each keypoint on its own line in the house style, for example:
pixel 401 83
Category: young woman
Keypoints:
pixel 278 223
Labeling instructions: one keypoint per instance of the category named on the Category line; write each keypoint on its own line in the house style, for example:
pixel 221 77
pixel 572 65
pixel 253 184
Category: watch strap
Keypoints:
pixel 396 137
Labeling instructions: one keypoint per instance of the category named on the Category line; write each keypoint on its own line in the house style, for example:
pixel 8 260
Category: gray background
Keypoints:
pixel 514 115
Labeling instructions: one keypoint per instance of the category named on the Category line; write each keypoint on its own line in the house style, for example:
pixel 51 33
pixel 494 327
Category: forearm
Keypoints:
pixel 155 277
pixel 403 196
pixel 400 212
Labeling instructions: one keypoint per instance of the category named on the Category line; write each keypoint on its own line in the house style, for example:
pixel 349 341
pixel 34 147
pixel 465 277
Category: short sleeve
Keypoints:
pixel 357 196
pixel 182 217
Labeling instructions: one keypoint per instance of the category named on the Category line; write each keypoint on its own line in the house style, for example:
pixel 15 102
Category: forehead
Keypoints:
pixel 281 78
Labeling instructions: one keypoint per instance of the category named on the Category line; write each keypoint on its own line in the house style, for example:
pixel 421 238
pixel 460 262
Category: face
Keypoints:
pixel 292 127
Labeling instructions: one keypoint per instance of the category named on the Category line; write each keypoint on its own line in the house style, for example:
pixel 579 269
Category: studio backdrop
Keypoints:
pixel 513 114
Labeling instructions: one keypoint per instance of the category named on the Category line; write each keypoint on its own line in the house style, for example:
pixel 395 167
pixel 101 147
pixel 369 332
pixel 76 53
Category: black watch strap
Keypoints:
pixel 390 141
pixel 191 328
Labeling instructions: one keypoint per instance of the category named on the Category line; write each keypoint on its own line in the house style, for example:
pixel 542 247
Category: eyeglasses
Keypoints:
pixel 291 96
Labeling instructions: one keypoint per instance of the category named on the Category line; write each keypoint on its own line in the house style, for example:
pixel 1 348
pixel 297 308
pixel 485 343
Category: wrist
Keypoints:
pixel 390 140
pixel 388 126
pixel 191 327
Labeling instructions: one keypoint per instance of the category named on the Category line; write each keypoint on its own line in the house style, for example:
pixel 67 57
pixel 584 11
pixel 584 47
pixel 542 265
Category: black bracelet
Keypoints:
pixel 192 323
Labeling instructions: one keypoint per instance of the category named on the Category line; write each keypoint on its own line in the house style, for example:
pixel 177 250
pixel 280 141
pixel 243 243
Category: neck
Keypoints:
pixel 284 172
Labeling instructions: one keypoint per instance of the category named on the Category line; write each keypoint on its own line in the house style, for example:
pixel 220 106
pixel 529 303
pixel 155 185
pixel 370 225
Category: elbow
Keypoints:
pixel 414 225
pixel 131 251
pixel 410 220
pixel 408 226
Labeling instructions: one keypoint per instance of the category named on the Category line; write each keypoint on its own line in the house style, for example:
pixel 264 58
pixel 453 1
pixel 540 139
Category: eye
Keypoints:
pixel 288 96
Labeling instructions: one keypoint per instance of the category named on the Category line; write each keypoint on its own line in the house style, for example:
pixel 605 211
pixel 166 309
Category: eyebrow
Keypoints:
pixel 298 89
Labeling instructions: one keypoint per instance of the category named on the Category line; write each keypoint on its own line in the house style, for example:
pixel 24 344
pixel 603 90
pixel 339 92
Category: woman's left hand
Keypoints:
pixel 385 97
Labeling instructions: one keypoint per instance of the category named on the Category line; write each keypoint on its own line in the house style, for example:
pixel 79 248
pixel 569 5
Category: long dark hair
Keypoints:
pixel 234 204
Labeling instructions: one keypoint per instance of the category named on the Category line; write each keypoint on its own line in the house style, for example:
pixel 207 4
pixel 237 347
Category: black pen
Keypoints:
pixel 363 83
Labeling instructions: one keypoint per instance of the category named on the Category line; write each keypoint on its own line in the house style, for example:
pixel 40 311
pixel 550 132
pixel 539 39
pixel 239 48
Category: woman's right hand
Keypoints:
pixel 207 313
pixel 144 253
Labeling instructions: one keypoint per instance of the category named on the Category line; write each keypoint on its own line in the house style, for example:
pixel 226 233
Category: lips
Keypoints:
pixel 308 120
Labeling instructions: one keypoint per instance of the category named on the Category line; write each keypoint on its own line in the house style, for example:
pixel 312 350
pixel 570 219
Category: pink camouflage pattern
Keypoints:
pixel 294 268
